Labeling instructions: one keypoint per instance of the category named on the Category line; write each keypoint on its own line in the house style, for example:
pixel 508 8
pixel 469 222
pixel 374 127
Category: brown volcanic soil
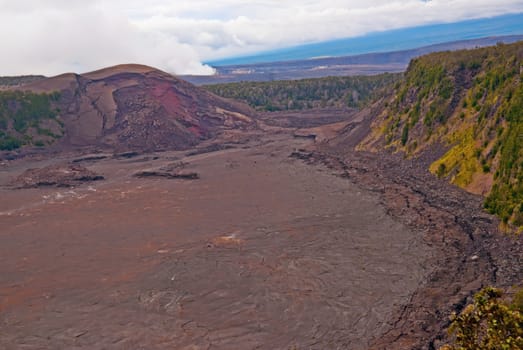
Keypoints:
pixel 261 251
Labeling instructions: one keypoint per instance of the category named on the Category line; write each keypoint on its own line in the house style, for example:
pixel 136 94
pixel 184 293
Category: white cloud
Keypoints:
pixel 74 37
pixel 54 36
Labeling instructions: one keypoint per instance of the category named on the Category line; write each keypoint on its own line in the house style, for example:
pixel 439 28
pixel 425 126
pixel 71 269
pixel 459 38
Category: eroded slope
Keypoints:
pixel 133 107
pixel 469 104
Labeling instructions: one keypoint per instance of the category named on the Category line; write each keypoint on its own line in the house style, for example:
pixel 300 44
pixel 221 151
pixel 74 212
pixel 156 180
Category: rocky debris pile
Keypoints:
pixel 89 158
pixel 126 155
pixel 215 147
pixel 304 155
pixel 304 135
pixel 96 157
pixel 170 171
pixel 65 175
pixel 167 174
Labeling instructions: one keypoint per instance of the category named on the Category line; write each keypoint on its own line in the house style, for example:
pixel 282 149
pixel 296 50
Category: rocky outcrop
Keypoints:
pixel 66 175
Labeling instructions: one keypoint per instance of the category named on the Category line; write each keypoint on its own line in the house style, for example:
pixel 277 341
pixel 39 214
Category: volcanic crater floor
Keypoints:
pixel 262 251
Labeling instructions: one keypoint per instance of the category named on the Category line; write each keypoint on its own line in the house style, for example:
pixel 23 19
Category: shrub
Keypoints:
pixel 442 169
pixel 489 323
pixel 9 143
pixel 405 135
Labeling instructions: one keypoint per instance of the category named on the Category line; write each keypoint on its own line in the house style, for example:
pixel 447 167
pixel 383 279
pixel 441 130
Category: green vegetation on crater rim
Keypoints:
pixel 20 80
pixel 472 102
pixel 491 322
pixel 28 118
pixel 281 95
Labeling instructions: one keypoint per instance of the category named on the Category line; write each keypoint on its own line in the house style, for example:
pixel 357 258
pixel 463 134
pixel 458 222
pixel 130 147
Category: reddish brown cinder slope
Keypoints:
pixel 136 107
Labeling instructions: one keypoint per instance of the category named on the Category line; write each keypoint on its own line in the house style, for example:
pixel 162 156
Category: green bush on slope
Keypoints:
pixel 22 115
pixel 489 323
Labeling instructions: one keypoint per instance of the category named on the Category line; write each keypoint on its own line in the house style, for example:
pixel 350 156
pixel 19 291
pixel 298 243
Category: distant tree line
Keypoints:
pixel 354 91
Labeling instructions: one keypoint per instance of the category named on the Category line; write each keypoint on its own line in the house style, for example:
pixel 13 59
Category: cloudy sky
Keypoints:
pixel 54 36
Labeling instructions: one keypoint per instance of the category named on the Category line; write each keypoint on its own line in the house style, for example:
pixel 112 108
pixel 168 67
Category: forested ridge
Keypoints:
pixel 353 91
pixel 471 103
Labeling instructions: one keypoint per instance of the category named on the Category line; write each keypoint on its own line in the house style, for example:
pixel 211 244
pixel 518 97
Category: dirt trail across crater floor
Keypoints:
pixel 262 251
